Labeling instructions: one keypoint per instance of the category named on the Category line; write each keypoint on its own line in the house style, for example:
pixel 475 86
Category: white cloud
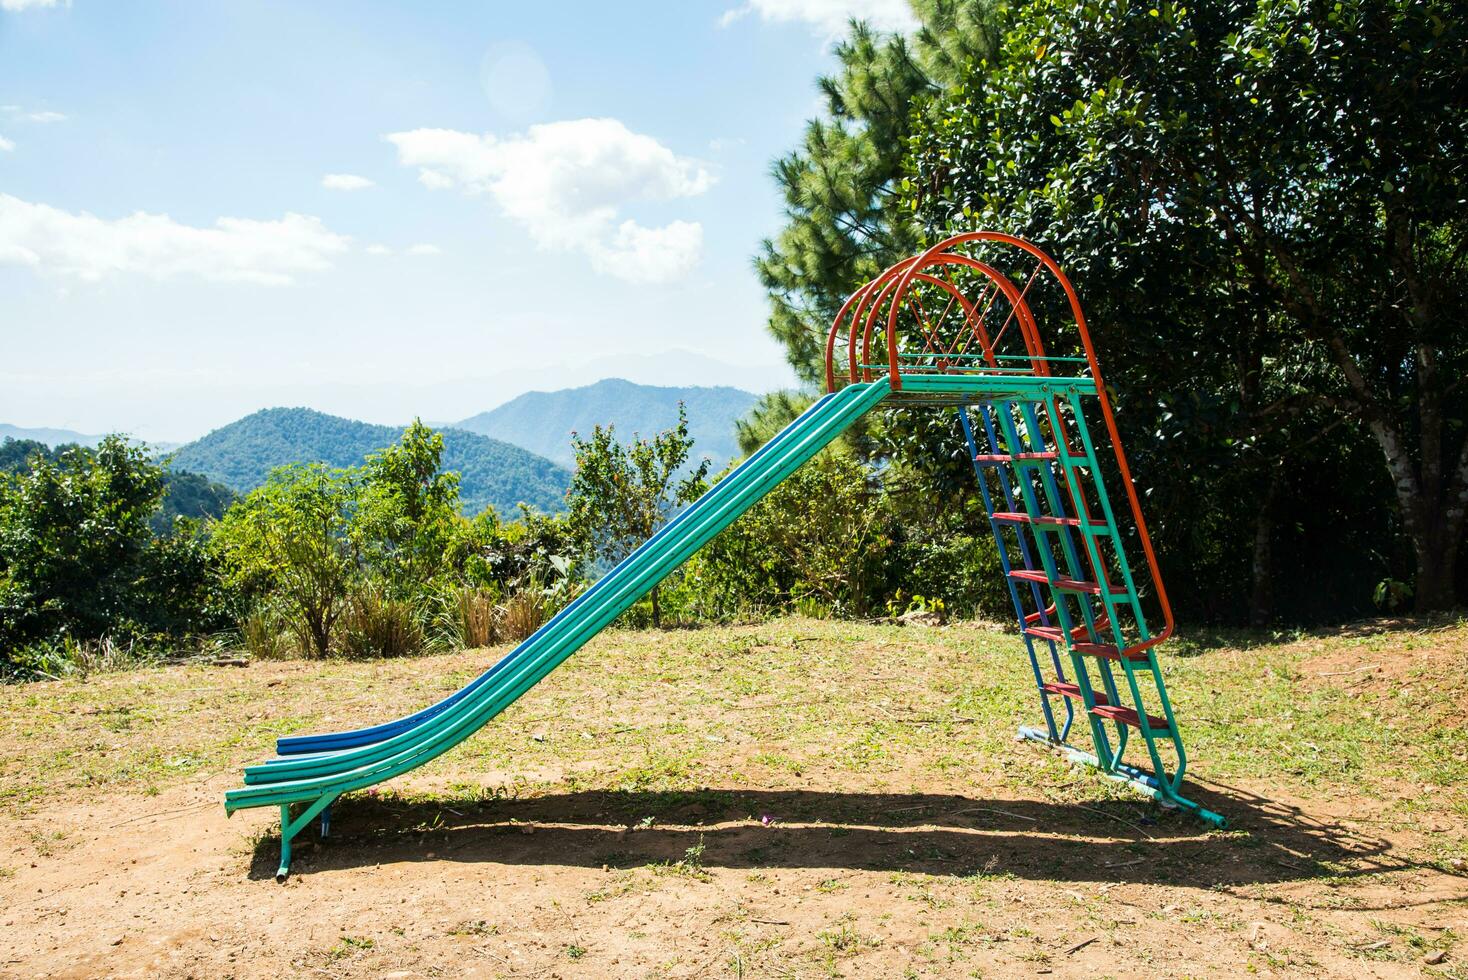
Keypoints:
pixel 830 17
pixel 39 116
pixel 346 182
pixel 378 250
pixel 650 255
pixel 16 5
pixel 567 184
pixel 423 248
pixel 87 247
pixel 6 145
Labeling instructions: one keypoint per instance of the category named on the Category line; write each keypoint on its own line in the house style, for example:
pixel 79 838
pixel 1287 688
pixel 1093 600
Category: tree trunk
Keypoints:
pixel 1432 585
pixel 1433 524
pixel 657 612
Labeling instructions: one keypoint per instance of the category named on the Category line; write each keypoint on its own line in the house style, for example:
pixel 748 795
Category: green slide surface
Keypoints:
pixel 374 755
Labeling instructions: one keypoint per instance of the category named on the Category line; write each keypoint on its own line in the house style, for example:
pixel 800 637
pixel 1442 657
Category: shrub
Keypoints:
pixel 525 612
pixel 374 624
pixel 265 636
pixel 478 617
pixel 289 539
pixel 68 656
pixel 73 542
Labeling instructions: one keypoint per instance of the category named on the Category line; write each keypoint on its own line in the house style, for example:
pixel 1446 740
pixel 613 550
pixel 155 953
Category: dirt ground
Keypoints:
pixel 799 799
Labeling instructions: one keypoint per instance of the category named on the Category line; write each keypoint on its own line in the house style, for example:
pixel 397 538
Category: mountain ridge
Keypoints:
pixel 45 434
pixel 542 421
pixel 492 472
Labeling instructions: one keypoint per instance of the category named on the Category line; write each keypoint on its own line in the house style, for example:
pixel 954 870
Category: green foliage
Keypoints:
pixel 901 603
pixel 192 496
pixel 1270 259
pixel 16 454
pixel 377 561
pixel 185 494
pixel 66 656
pixel 406 520
pixel 843 225
pixel 182 588
pixel 835 538
pixel 291 540
pixel 818 535
pixel 491 473
pixel 74 545
pixel 504 556
pixel 767 417
pixel 620 495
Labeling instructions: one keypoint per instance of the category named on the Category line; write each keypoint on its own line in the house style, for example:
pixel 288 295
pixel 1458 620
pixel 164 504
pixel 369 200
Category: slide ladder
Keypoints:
pixel 1073 590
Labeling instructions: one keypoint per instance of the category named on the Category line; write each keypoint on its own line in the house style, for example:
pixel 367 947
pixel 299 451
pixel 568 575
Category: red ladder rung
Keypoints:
pixel 1062 583
pixel 1103 651
pixel 1072 691
pixel 1014 517
pixel 1128 716
pixel 1014 457
pixel 1049 634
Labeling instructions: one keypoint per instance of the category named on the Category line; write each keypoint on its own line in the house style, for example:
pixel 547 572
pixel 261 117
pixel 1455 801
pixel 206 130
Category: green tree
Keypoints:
pixel 405 522
pixel 292 538
pixel 621 494
pixel 820 534
pixel 508 555
pixel 74 538
pixel 182 588
pixel 767 417
pixel 1264 204
pixel 845 219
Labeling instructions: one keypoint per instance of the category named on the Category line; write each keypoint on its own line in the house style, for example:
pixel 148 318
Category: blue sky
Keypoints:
pixel 387 210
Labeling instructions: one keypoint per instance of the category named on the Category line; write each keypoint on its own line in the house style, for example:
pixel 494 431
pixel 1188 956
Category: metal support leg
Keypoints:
pixel 289 828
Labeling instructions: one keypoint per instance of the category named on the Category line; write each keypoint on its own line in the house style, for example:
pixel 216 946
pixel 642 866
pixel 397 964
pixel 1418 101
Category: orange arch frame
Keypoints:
pixel 890 291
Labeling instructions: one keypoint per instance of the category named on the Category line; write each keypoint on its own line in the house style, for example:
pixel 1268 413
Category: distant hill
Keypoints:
pixel 51 437
pixel 492 473
pixel 542 421
pixel 66 437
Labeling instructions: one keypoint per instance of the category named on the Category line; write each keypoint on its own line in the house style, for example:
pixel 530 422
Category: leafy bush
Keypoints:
pixel 818 535
pixel 289 542
pixel 79 562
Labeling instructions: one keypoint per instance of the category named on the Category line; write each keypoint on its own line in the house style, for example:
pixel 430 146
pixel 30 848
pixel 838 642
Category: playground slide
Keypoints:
pixel 317 769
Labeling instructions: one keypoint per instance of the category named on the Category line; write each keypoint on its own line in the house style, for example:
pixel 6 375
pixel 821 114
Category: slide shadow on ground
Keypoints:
pixel 1110 841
